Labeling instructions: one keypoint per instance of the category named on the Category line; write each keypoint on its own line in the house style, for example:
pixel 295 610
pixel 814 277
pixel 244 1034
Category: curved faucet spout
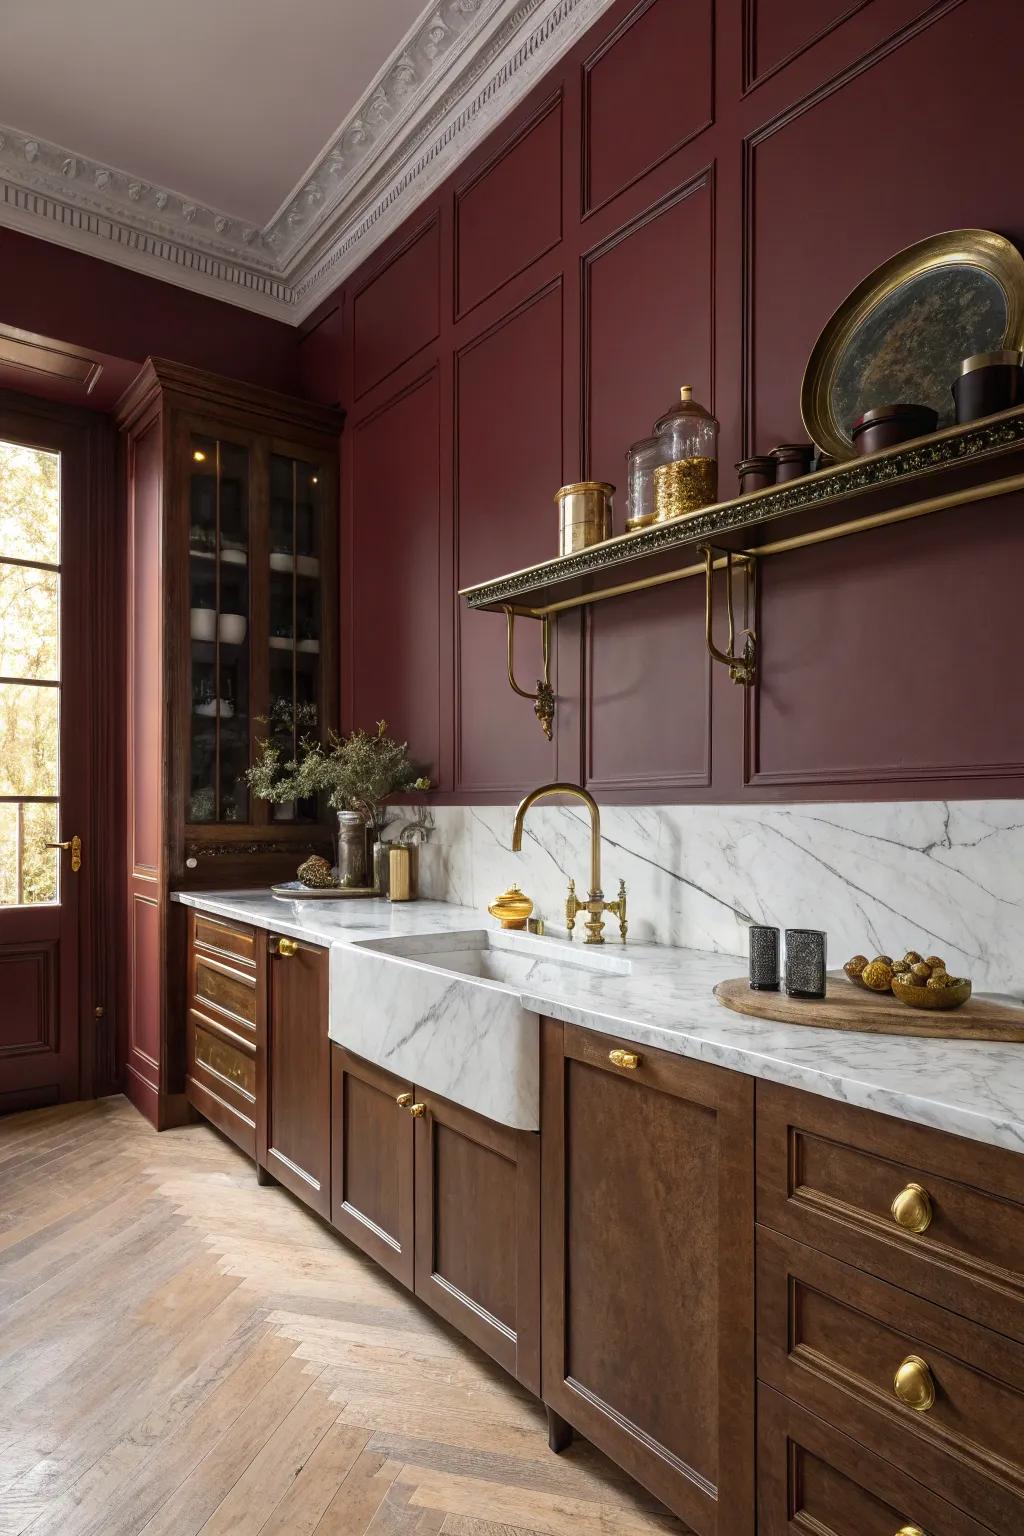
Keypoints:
pixel 577 792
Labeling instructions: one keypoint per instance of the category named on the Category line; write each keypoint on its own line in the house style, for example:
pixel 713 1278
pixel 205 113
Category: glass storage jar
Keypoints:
pixel 687 479
pixel 641 461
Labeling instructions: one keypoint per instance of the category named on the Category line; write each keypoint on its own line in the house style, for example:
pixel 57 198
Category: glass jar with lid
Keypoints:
pixel 687 479
pixel 641 460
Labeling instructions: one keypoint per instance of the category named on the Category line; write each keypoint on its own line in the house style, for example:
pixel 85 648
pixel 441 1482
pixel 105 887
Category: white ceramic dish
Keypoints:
pixel 233 627
pixel 203 623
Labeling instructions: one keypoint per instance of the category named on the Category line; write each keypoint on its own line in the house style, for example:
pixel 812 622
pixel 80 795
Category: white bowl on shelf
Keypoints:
pixel 307 565
pixel 233 627
pixel 281 643
pixel 311 646
pixel 233 556
pixel 203 623
pixel 280 562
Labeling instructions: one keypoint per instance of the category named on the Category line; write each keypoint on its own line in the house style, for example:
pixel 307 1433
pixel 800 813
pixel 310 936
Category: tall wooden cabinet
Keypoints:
pixel 232 582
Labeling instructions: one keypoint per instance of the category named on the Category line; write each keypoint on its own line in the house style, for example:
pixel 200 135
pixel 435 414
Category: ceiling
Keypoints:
pixel 228 101
pixel 248 149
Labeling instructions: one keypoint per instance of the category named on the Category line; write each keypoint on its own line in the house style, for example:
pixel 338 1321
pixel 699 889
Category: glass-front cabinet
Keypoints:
pixel 296 588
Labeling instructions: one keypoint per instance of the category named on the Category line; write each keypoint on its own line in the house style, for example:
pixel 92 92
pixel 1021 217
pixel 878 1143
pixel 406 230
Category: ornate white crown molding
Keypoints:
pixel 462 67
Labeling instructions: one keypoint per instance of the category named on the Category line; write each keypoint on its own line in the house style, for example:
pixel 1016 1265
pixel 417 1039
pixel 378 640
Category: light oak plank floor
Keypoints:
pixel 183 1351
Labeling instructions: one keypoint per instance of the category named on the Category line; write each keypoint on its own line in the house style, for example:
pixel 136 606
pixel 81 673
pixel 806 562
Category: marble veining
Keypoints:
pixel 973 1089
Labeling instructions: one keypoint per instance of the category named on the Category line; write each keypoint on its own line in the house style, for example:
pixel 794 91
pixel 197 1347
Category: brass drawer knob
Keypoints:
pixel 910 1530
pixel 404 1100
pixel 912 1209
pixel 416 1110
pixel 914 1384
pixel 627 1059
pixel 286 948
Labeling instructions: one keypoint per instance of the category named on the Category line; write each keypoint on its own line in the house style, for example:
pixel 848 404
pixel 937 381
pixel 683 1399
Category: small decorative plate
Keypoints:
pixel 294 890
pixel 904 331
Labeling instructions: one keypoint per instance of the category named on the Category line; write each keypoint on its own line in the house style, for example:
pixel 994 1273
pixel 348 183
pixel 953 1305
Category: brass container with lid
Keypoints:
pixel 512 908
pixel 585 514
pixel 688 479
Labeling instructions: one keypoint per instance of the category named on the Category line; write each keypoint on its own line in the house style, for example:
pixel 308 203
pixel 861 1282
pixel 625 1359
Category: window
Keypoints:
pixel 29 674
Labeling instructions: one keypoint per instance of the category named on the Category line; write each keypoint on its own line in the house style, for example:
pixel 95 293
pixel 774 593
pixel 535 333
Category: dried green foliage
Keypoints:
pixel 360 772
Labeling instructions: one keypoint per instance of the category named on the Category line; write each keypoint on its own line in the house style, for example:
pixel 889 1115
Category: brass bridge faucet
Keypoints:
pixel 595 905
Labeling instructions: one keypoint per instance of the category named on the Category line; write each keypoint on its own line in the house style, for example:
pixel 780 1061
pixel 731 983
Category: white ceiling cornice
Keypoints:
pixel 460 69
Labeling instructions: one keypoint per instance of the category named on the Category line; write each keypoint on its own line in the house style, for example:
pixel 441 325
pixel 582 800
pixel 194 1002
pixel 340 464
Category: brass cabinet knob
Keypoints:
pixel 912 1209
pixel 286 948
pixel 914 1384
pixel 627 1059
pixel 404 1100
pixel 416 1110
pixel 910 1530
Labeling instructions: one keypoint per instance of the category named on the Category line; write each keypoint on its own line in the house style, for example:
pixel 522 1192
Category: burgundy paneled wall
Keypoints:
pixel 685 199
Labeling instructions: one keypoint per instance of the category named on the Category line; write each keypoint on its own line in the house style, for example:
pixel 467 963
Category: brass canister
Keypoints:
pixel 585 515
pixel 401 881
pixel 684 485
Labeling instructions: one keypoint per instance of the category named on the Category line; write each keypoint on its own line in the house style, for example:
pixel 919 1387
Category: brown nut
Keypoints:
pixel 912 957
pixel 938 979
pixel 885 959
pixel 921 971
pixel 877 975
pixel 900 968
pixel 936 962
pixel 854 967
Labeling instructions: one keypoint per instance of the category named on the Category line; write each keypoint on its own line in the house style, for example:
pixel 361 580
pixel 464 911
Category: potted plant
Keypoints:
pixel 357 774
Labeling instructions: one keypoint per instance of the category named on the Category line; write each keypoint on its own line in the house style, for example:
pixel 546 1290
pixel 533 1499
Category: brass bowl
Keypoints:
pixel 930 997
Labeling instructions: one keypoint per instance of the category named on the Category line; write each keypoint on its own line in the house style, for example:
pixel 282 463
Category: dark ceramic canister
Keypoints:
pixel 988 382
pixel 823 460
pixel 888 425
pixel 764 958
pixel 756 472
pixel 792 460
pixel 805 962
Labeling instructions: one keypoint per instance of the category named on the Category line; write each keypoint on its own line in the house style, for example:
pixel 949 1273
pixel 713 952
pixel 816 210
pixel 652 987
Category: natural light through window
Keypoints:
pixel 29 673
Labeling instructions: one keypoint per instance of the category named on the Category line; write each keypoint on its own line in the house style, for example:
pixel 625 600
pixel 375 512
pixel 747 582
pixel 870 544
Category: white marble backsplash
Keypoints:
pixel 942 877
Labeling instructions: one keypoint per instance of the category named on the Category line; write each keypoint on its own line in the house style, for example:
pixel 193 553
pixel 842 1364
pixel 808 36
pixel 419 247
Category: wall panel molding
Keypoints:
pixel 28 982
pixel 401 298
pixel 753 75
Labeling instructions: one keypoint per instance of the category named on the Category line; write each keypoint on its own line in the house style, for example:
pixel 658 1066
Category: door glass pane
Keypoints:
pixel 29 504
pixel 29 614
pixel 29 716
pixel 219 622
pixel 28 870
pixel 295 607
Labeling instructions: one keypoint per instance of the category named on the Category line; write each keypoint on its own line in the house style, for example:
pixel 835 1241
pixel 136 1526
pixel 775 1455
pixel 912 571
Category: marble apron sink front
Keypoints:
pixel 443 1011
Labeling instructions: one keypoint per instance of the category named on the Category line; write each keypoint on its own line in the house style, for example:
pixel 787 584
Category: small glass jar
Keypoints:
pixel 687 478
pixel 351 849
pixel 641 461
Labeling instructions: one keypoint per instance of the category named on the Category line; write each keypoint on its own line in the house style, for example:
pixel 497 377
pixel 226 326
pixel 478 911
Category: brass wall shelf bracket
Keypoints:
pixel 543 698
pixel 742 667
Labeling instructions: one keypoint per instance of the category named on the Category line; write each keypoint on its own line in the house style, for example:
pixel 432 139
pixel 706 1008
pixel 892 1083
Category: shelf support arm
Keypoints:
pixel 742 666
pixel 543 698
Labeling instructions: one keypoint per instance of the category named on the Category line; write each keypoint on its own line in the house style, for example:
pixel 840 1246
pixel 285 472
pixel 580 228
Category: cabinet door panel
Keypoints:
pixel 372 1162
pixel 295 1146
pixel 477 1232
pixel 648 1269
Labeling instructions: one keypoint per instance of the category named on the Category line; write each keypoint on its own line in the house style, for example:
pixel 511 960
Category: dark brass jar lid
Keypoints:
pixel 786 452
pixel 897 412
pixel 1011 359
pixel 756 461
pixel 584 485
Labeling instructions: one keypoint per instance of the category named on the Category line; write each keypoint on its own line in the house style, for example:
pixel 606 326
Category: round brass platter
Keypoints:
pixel 904 331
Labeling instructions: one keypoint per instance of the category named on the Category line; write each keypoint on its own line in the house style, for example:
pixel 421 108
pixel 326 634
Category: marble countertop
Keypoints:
pixel 973 1089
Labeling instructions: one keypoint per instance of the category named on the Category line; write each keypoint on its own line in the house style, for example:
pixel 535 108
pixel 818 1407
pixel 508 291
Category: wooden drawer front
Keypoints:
pixel 833 1338
pixel 233 1062
pixel 815 1481
pixel 225 939
pixel 231 992
pixel 828 1175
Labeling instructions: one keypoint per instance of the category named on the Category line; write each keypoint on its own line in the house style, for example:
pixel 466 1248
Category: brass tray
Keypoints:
pixel 904 331
pixel 294 890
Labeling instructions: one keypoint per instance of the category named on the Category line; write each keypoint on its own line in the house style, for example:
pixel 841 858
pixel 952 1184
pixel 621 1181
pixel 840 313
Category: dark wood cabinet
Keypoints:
pixel 224 1025
pixel 232 590
pixel 478 1231
pixel 294 1124
pixel 647 1278
pixel 372 1161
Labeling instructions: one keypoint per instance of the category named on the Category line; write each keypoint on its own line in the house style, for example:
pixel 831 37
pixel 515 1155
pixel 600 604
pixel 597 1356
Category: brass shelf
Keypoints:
pixel 971 463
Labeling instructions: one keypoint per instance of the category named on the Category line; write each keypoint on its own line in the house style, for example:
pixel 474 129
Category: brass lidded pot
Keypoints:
pixel 585 514
pixel 688 480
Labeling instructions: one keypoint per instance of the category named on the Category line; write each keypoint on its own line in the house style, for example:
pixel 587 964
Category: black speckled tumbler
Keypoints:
pixel 805 962
pixel 764 958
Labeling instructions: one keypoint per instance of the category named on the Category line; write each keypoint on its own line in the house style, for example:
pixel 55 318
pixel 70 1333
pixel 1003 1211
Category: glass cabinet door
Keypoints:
pixel 295 605
pixel 219 618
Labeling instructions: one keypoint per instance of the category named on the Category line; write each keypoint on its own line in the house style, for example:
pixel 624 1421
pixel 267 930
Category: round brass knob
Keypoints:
pixel 914 1384
pixel 912 1209
pixel 416 1110
pixel 286 948
pixel 910 1530
pixel 627 1059
pixel 404 1100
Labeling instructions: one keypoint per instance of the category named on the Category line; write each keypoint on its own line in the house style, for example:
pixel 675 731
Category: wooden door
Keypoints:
pixel 647 1278
pixel 294 1097
pixel 372 1161
pixel 478 1231
pixel 44 757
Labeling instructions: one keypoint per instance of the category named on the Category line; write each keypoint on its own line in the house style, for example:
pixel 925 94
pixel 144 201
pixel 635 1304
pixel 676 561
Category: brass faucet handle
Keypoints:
pixel 573 907
pixel 619 909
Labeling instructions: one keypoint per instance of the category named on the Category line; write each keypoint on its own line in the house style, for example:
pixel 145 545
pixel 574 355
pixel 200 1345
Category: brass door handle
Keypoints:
pixel 75 844
pixel 627 1059
pixel 287 947
pixel 912 1209
pixel 404 1100
pixel 914 1384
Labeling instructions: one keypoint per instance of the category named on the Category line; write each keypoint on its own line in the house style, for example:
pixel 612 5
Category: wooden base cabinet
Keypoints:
pixel 224 1022
pixel 647 1272
pixel 445 1200
pixel 294 1128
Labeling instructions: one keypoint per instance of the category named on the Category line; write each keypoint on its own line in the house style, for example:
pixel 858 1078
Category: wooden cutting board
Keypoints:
pixel 846 1006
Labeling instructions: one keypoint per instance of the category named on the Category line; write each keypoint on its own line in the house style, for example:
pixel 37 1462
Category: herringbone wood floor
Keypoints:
pixel 182 1351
